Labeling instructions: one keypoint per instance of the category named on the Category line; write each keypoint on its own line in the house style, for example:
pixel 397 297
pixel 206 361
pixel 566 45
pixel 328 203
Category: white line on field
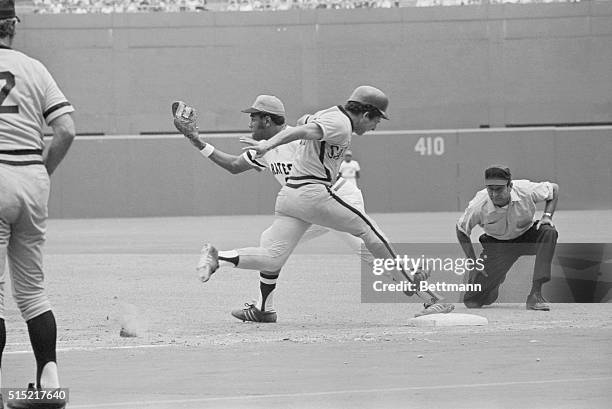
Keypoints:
pixel 329 393
pixel 70 349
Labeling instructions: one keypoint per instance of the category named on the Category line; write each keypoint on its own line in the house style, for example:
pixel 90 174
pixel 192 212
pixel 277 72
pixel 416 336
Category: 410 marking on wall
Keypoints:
pixel 428 146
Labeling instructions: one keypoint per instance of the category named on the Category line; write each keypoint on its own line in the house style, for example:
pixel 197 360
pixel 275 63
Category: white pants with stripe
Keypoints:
pixel 351 194
pixel 23 213
pixel 299 208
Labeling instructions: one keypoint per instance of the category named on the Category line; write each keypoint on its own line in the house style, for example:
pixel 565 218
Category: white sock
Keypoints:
pixel 49 378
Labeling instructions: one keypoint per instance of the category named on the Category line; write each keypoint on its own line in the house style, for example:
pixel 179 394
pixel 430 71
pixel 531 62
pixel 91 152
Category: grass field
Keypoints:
pixel 328 350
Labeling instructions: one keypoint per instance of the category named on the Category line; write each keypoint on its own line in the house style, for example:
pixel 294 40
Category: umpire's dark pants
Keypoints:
pixel 500 255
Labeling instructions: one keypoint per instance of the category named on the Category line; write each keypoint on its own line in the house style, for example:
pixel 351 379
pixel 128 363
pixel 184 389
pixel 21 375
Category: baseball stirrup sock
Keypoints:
pixel 2 339
pixel 267 285
pixel 43 334
pixel 228 258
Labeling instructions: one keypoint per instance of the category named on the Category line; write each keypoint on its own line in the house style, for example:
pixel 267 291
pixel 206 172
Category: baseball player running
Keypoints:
pixel 267 119
pixel 307 197
pixel 28 98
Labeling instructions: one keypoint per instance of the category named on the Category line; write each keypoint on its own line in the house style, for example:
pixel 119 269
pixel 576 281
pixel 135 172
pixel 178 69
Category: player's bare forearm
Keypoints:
pixel 63 135
pixel 466 244
pixel 232 163
pixel 308 131
pixel 551 205
pixel 286 136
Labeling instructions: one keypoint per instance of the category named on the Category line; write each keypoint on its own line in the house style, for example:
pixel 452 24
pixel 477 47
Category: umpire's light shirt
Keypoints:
pixel 510 221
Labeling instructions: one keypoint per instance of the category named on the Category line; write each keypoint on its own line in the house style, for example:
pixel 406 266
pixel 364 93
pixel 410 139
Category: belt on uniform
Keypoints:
pixel 21 157
pixel 299 185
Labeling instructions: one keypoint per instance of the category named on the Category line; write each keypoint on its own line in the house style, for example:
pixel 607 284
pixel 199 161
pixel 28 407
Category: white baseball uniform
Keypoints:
pixel 348 170
pixel 307 198
pixel 280 162
pixel 29 97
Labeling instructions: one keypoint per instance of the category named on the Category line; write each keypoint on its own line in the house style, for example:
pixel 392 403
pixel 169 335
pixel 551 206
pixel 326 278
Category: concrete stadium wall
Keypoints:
pixel 443 67
pixel 164 176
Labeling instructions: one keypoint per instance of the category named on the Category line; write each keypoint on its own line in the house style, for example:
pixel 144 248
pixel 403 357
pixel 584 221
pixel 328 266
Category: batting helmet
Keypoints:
pixel 368 95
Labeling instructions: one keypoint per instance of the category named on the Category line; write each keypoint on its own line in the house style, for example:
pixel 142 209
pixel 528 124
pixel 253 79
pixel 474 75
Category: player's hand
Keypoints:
pixel 196 141
pixel 545 220
pixel 260 147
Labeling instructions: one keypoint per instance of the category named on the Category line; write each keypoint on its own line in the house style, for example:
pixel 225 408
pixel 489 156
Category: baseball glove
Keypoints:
pixel 185 118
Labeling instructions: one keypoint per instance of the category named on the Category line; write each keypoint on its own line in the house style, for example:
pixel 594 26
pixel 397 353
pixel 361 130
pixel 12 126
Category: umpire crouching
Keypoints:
pixel 506 210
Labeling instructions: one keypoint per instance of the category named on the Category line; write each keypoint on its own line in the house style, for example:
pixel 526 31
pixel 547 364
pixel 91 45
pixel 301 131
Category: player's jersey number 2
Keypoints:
pixel 9 82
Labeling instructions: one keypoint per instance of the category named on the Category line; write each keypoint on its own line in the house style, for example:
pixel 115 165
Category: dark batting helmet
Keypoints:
pixel 368 95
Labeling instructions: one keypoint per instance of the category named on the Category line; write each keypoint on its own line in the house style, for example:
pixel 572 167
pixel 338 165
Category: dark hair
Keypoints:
pixel 276 119
pixel 7 28
pixel 358 108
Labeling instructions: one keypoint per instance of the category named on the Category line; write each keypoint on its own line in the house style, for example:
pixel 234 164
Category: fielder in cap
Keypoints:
pixel 506 209
pixel 307 198
pixel 267 118
pixel 30 98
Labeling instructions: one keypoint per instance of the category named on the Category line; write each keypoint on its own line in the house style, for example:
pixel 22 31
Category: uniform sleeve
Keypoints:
pixel 541 191
pixel 259 163
pixel 357 167
pixel 55 103
pixel 336 128
pixel 471 218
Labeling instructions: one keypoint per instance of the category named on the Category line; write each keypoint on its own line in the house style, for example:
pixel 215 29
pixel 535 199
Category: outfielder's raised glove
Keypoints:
pixel 185 118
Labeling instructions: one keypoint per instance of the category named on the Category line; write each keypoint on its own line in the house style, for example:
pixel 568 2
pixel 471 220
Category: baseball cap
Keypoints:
pixel 368 95
pixel 7 9
pixel 266 103
pixel 497 175
pixel 348 152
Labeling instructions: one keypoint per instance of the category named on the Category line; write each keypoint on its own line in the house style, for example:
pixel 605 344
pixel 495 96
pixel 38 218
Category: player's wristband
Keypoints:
pixel 207 150
pixel 548 214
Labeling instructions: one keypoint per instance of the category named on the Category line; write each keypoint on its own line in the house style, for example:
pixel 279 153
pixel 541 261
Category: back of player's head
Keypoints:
pixel 7 18
pixel 368 99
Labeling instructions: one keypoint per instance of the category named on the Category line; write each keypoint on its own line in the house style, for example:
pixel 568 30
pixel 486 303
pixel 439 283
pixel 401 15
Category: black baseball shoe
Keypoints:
pixel 536 302
pixel 254 314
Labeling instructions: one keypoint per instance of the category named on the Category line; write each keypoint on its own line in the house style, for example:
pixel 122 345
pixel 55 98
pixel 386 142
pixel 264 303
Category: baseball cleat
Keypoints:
pixel 254 314
pixel 44 402
pixel 209 262
pixel 440 308
pixel 537 303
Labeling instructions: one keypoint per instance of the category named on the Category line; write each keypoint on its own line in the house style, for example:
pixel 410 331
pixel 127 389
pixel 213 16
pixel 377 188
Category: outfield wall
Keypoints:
pixel 443 67
pixel 116 176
